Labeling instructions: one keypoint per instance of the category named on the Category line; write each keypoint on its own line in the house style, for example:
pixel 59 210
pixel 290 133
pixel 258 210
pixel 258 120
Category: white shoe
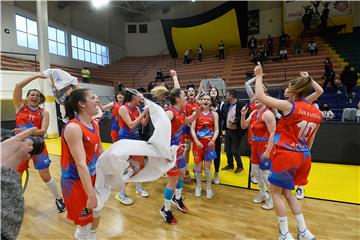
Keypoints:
pixel 198 191
pixel 124 199
pixel 253 179
pixel 305 235
pixel 268 204
pixel 91 235
pixel 260 198
pixel 216 178
pixel 142 192
pixel 300 193
pixel 286 236
pixel 209 193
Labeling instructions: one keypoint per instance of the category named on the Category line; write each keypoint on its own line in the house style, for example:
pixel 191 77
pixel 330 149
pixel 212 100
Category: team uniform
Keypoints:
pixel 124 131
pixel 291 156
pixel 191 106
pixel 28 118
pixel 204 129
pixel 251 108
pixel 72 188
pixel 259 140
pixel 115 122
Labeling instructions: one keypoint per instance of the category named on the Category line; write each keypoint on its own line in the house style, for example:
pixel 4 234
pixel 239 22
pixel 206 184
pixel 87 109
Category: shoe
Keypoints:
pixel 216 178
pixel 227 167
pixel 209 193
pixel 260 198
pixel 91 235
pixel 305 235
pixel 300 192
pixel 59 202
pixel 167 215
pixel 286 236
pixel 198 191
pixel 180 204
pixel 142 192
pixel 268 204
pixel 124 199
pixel 253 179
pixel 238 170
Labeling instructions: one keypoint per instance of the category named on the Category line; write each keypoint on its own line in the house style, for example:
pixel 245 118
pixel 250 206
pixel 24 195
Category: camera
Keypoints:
pixel 37 141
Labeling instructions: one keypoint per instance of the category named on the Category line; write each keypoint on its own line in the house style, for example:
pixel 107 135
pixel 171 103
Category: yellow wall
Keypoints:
pixel 208 34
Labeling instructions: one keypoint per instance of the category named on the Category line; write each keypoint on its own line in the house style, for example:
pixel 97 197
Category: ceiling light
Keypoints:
pixel 99 3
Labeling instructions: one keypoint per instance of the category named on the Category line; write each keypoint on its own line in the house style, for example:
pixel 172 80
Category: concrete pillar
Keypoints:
pixel 44 59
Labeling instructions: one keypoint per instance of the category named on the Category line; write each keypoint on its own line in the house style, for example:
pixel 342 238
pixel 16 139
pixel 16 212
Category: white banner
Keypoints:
pixel 295 10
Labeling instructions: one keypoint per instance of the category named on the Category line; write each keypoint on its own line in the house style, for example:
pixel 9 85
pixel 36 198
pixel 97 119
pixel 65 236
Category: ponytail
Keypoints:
pixel 71 103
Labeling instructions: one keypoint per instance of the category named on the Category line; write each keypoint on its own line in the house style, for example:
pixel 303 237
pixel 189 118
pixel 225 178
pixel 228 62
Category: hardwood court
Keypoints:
pixel 230 215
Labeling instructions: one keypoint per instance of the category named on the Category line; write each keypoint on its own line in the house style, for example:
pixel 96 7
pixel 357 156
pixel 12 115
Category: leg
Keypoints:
pixel 187 157
pixel 46 177
pixel 123 198
pixel 198 175
pixel 326 82
pixel 229 155
pixel 235 149
pixel 207 170
pixel 82 232
pixel 140 190
pixel 165 211
pixel 177 199
pixel 280 209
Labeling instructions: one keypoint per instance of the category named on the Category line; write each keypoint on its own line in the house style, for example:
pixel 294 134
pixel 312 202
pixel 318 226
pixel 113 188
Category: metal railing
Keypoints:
pixel 23 54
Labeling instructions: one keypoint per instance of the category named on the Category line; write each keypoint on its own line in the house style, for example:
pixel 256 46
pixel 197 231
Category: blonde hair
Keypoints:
pixel 159 92
pixel 300 86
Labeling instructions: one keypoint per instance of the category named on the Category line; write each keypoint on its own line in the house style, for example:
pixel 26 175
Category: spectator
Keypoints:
pixel 13 151
pixel 329 75
pixel 284 40
pixel 326 112
pixel 298 49
pixel 269 45
pixel 324 17
pixel 312 48
pixel 262 53
pixel 199 53
pixel 358 112
pixel 85 74
pixel 283 54
pixel 151 85
pixel 159 76
pixel 252 44
pixel 233 132
pixel 349 78
pixel 221 50
pixel 188 56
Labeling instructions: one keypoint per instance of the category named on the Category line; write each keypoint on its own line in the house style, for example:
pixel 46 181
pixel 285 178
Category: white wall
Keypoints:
pixel 104 26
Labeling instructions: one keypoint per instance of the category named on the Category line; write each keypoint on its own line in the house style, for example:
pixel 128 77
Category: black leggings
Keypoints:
pixel 218 143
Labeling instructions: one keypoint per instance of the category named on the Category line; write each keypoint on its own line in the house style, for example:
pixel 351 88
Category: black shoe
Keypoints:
pixel 227 167
pixel 167 215
pixel 180 204
pixel 60 205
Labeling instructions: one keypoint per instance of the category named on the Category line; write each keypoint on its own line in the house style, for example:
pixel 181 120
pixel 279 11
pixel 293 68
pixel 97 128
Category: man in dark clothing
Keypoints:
pixel 284 40
pixel 329 75
pixel 349 78
pixel 269 45
pixel 233 132
pixel 252 44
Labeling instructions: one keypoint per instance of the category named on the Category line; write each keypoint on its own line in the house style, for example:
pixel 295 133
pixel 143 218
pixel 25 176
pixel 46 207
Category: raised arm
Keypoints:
pixel 124 114
pixel 270 122
pixel 106 107
pixel 282 105
pixel 315 95
pixel 244 123
pixel 248 88
pixel 175 78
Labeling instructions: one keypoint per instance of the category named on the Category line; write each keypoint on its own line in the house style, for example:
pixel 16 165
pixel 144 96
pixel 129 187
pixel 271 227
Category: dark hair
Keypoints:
pixel 42 97
pixel 117 93
pixel 233 93
pixel 128 96
pixel 173 94
pixel 72 102
pixel 214 100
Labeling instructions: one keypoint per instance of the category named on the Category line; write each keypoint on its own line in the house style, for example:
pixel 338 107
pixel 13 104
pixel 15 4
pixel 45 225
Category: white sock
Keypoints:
pixel 53 188
pixel 91 235
pixel 178 193
pixel 283 225
pixel 198 178
pixel 264 177
pixel 257 174
pixel 300 222
pixel 138 185
pixel 208 178
pixel 167 204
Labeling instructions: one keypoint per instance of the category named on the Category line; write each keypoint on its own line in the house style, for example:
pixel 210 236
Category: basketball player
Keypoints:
pixel 29 114
pixel 291 156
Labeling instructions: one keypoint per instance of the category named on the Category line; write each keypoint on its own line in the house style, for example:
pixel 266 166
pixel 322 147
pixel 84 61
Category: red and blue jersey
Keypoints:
pixel 251 108
pixel 91 142
pixel 177 124
pixel 205 125
pixel 114 121
pixel 124 131
pixel 191 105
pixel 28 118
pixel 296 129
pixel 258 127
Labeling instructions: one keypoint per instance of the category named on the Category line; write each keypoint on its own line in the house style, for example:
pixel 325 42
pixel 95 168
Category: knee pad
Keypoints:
pixel 82 232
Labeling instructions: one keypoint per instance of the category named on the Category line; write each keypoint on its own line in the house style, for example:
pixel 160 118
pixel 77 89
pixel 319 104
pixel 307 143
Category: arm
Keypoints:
pixel 193 117
pixel 193 134
pixel 270 122
pixel 145 119
pixel 315 95
pixel 170 114
pixel 311 140
pixel 282 105
pixel 73 136
pixel 44 125
pixel 17 94
pixel 216 127
pixel 124 114
pixel 175 78
pixel 245 122
pixel 249 90
pixel 106 107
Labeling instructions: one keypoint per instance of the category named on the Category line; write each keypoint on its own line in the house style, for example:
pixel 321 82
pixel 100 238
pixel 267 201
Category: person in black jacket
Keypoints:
pixel 349 78
pixel 233 132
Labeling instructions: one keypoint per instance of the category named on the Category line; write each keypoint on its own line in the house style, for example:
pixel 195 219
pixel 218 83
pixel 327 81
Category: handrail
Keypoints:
pixel 25 54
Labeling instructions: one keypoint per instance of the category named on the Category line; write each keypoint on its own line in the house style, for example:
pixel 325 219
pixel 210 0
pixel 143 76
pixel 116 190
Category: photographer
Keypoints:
pixel 29 114
pixel 13 151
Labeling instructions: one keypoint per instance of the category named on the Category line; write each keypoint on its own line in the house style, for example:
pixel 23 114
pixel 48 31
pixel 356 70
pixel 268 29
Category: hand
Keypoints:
pixel 18 130
pixel 265 155
pixel 40 75
pixel 146 111
pixel 173 73
pixel 211 143
pixel 304 74
pixel 92 202
pixel 198 144
pixel 16 149
pixel 258 70
pixel 244 110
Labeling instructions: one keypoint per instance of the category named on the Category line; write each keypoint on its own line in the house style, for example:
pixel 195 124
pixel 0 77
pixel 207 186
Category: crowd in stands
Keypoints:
pixel 188 54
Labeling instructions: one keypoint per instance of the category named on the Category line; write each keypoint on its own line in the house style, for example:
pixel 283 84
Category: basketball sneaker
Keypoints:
pixel 260 198
pixel 59 202
pixel 180 204
pixel 216 178
pixel 198 191
pixel 286 236
pixel 253 179
pixel 305 235
pixel 209 193
pixel 124 199
pixel 142 192
pixel 300 193
pixel 167 215
pixel 91 235
pixel 268 204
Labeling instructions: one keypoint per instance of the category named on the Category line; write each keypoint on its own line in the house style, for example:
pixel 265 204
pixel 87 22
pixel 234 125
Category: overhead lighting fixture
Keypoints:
pixel 99 3
pixel 193 0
